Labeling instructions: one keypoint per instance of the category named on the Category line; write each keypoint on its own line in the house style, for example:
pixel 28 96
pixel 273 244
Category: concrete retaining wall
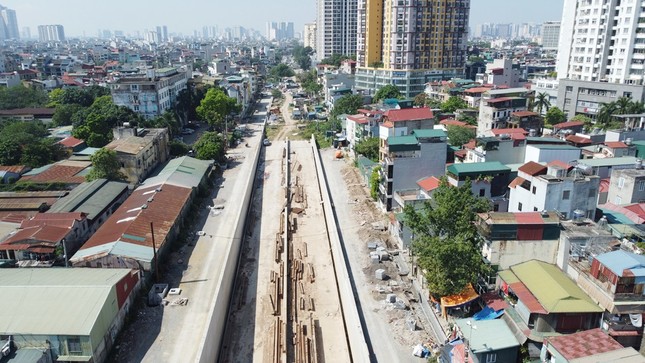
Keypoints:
pixel 210 344
pixel 354 328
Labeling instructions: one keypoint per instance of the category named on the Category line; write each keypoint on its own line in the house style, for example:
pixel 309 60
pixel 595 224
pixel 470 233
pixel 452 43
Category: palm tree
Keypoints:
pixel 607 110
pixel 541 102
pixel 623 106
pixel 637 107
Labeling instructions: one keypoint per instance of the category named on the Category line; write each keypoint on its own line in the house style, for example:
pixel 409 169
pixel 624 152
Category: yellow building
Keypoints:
pixel 410 42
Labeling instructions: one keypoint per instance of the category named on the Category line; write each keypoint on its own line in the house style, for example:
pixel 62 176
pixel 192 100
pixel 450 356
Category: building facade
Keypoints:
pixel 336 28
pixel 8 24
pixel 51 33
pixel 309 35
pixel 550 35
pixel 150 95
pixel 408 43
pixel 627 186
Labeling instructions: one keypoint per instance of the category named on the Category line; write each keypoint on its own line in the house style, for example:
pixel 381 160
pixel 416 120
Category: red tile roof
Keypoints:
pixel 18 169
pixel 360 119
pixel 472 144
pixel 529 218
pixel 58 174
pixel 517 181
pixel 524 113
pixel 500 99
pixel 36 236
pixel 494 301
pixel 583 344
pixel 453 122
pixel 563 125
pixel 409 114
pixel 532 168
pixel 429 184
pixel 638 209
pixel 560 164
pixel 604 186
pixel 71 141
pixel 477 90
pixel 578 139
pixel 387 124
pixel 131 223
pixel 517 130
pixel 616 144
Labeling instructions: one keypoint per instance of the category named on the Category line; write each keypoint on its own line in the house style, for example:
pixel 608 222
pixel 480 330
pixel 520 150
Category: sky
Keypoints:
pixel 185 16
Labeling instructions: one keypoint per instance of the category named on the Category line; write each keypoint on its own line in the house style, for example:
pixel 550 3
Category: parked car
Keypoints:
pixel 187 131
pixel 266 142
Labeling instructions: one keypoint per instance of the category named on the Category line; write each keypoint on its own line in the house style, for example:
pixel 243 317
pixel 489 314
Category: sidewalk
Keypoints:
pixel 439 326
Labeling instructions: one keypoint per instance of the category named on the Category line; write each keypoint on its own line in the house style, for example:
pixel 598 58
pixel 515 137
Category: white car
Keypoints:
pixel 266 142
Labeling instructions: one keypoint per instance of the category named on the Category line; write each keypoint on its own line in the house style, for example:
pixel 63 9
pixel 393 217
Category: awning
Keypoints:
pixel 452 301
pixel 74 358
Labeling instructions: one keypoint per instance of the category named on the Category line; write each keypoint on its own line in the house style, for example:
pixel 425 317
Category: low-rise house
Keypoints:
pixel 489 180
pixel 97 199
pixel 488 341
pixel 527 120
pixel 505 148
pixel 158 206
pixel 68 172
pixel 533 190
pixel 11 173
pixel 497 106
pixel 72 144
pixel 45 237
pixel 589 346
pixel 70 315
pixel 409 158
pixel 544 301
pixel 568 127
pixel 613 149
pixel 627 186
pixel 401 122
pixel 604 167
pixel 43 115
pixel 546 153
pixel 616 281
pixel 513 238
pixel 140 151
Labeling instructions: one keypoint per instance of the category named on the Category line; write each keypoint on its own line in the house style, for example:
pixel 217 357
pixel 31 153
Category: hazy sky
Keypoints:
pixel 187 15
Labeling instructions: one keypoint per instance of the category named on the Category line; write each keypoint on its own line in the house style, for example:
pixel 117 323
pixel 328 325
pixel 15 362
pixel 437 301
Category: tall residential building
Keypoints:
pixel 51 33
pixel 8 24
pixel 336 26
pixel 164 33
pixel 409 43
pixel 550 35
pixel 309 35
pixel 601 54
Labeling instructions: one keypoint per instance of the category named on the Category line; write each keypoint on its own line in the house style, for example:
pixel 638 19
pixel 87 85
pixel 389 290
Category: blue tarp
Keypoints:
pixel 488 314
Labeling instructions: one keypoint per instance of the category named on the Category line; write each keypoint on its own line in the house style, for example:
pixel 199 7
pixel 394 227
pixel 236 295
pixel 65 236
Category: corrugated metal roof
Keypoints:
pixel 402 140
pixel 54 301
pixel 90 197
pixel 131 222
pixel 491 335
pixel 471 168
pixel 624 355
pixel 583 344
pixel 619 261
pixel 121 249
pixel 555 291
pixel 409 114
pixel 183 172
pixel 429 133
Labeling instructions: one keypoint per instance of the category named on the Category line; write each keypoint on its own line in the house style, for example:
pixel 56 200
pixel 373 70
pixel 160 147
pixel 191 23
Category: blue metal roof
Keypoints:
pixel 618 261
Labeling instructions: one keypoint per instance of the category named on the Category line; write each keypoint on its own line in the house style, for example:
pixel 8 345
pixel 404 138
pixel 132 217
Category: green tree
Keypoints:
pixel 95 123
pixel 210 146
pixel 167 120
pixel 55 97
pixel 21 97
pixel 64 114
pixel 541 102
pixel 587 121
pixel 387 91
pixel 302 56
pixel 335 59
pixel 41 152
pixel 216 106
pixel 420 99
pixel 348 104
pixel 178 148
pixel 452 104
pixel 368 147
pixel 275 93
pixel 77 96
pixel 105 165
pixel 281 70
pixel 554 116
pixel 446 242
pixel 471 120
pixel 375 180
pixel 458 135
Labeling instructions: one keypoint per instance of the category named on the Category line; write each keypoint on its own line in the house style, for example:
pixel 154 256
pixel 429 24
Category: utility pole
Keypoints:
pixel 64 241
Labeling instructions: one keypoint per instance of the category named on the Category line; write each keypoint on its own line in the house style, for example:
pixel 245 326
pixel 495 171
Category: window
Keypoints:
pixel 519 207
pixel 482 192
pixel 566 194
pixel 621 182
pixel 491 358
pixel 534 189
pixel 641 185
pixel 618 200
pixel 74 346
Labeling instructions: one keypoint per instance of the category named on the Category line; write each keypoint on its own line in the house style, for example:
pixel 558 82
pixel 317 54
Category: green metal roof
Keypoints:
pixel 90 197
pixel 429 133
pixel 402 140
pixel 477 168
pixel 490 335
pixel 184 172
pixel 55 301
pixel 549 140
pixel 555 291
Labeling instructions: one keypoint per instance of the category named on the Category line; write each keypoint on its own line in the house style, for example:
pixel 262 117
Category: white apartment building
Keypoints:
pixel 496 107
pixel 502 72
pixel 309 35
pixel 550 35
pixel 153 93
pixel 600 41
pixel 336 28
pixel 548 86
pixel 8 24
pixel 51 33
